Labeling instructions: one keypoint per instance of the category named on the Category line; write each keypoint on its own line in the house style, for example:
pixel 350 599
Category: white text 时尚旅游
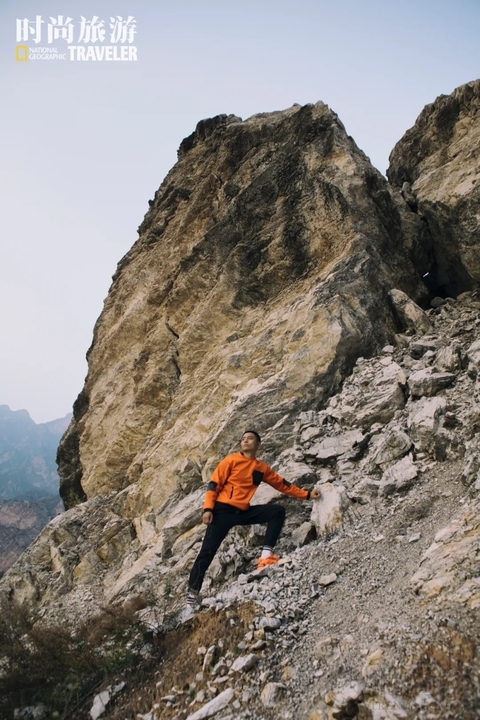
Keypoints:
pixel 103 52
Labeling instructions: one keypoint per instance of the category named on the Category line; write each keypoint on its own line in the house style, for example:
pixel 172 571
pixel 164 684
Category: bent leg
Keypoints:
pixel 216 533
pixel 273 515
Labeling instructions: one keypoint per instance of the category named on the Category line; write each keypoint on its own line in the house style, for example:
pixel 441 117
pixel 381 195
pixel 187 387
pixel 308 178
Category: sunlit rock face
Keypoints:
pixel 260 274
pixel 437 166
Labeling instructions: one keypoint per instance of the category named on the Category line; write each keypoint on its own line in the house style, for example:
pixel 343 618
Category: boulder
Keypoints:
pixel 393 445
pixel 473 355
pixel 331 447
pixel 399 477
pixel 449 359
pixel 410 316
pixel 328 510
pixel 419 347
pixel 426 382
pixel 424 422
pixel 372 395
pixel 364 490
pixel 304 534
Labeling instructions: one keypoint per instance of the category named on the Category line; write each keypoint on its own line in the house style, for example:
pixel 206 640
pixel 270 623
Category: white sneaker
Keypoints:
pixel 193 599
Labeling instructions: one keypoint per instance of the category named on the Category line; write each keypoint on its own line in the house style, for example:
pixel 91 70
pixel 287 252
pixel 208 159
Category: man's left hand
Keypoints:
pixel 315 494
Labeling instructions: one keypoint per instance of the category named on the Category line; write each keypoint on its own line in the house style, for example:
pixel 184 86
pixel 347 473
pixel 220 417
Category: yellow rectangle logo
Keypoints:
pixel 21 53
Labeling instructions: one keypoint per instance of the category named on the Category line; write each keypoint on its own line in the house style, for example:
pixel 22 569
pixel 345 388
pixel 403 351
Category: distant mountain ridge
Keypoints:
pixel 20 523
pixel 27 455
pixel 29 480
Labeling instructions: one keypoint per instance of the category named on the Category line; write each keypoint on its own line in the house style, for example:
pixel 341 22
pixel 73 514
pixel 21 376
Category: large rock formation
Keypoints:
pixel 437 166
pixel 260 274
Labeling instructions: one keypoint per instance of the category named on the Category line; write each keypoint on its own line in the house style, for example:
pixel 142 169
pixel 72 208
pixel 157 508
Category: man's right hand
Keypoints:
pixel 207 517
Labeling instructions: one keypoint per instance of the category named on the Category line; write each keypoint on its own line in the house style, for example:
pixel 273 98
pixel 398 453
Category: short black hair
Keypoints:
pixel 254 432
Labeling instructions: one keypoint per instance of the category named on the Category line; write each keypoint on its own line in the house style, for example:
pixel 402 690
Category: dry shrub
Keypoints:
pixel 61 666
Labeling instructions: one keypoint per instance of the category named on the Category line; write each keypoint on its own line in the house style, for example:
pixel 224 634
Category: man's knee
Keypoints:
pixel 279 511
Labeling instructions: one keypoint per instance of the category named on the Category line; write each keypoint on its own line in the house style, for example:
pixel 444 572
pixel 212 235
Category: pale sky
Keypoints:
pixel 84 145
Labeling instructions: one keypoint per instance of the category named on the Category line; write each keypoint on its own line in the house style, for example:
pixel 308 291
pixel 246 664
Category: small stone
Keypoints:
pixel 372 662
pixel 244 663
pixel 209 657
pixel 220 679
pixel 100 703
pixel 31 712
pixel 270 623
pixel 418 348
pixel 272 693
pixel 345 697
pixel 213 706
pixel 414 538
pixel 220 668
pixel 259 645
pixel 423 699
pixel 325 580
pixel 327 649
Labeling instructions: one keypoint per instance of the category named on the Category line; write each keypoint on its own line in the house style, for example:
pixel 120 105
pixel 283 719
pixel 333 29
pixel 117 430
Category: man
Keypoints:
pixel 227 503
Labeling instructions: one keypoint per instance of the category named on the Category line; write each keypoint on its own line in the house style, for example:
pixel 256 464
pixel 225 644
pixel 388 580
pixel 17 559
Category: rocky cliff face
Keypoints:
pixel 437 167
pixel 273 283
pixel 260 274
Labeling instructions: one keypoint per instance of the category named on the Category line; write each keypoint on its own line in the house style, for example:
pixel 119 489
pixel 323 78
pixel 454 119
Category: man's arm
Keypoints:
pixel 219 478
pixel 287 488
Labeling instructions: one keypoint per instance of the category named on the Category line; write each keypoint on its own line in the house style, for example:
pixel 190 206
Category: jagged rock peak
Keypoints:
pixel 260 274
pixel 436 165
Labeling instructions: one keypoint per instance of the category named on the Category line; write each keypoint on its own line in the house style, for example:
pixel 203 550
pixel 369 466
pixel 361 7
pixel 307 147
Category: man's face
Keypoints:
pixel 249 442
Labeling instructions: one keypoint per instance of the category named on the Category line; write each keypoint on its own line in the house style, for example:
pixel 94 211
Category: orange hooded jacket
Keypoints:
pixel 236 479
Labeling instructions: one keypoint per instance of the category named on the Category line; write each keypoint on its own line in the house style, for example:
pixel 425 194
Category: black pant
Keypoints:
pixel 226 517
